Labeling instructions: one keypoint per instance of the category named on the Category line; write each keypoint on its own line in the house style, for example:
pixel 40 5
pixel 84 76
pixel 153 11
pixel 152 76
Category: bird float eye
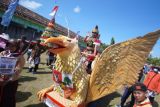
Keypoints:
pixel 50 45
pixel 69 40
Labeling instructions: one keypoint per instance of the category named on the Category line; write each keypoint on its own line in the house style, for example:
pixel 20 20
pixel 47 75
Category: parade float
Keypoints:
pixel 73 87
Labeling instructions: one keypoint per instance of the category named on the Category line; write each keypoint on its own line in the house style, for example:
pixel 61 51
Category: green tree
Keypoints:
pixel 153 60
pixel 112 41
pixel 103 46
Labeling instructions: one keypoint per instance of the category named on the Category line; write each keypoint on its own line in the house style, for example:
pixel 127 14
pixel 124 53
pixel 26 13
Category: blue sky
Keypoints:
pixel 121 19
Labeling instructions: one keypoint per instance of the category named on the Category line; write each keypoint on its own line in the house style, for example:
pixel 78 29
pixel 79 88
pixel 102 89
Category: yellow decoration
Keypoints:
pixel 118 65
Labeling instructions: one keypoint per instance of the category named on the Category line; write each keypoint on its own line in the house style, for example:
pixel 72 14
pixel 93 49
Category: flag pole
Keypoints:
pixel 66 20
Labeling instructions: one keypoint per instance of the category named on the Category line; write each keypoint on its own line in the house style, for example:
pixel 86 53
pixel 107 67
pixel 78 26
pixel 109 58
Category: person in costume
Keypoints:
pixel 92 48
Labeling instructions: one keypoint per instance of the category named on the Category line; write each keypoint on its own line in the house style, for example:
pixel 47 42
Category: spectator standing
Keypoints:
pixel 152 82
pixel 9 83
pixel 140 95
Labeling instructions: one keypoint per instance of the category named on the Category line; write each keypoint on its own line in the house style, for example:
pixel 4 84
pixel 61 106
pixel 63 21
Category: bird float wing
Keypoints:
pixel 120 64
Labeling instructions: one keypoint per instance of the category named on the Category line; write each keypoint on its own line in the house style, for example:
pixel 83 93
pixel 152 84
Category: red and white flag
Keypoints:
pixel 54 11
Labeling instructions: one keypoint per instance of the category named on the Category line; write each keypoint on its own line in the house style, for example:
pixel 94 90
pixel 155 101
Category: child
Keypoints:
pixel 31 60
pixel 140 95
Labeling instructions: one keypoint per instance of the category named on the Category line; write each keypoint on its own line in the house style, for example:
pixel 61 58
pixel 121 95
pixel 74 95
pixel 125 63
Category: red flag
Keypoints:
pixel 54 11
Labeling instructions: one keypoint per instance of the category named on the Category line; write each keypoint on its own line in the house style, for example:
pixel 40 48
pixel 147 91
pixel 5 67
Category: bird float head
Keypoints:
pixel 61 44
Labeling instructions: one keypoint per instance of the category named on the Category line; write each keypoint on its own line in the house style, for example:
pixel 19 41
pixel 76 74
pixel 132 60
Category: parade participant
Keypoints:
pixel 152 82
pixel 29 49
pixel 35 57
pixel 140 95
pixel 91 50
pixel 9 83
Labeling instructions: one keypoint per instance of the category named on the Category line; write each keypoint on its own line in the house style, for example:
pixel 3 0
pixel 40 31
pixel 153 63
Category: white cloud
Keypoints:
pixel 30 4
pixel 77 9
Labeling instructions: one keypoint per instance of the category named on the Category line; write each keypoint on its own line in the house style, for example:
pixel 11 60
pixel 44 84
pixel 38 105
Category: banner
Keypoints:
pixel 6 18
pixel 7 65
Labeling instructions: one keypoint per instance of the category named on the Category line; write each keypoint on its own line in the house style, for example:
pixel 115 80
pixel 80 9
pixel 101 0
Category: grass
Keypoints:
pixel 30 84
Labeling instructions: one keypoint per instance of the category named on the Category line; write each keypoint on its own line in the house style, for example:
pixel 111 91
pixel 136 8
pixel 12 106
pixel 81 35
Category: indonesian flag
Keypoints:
pixel 54 11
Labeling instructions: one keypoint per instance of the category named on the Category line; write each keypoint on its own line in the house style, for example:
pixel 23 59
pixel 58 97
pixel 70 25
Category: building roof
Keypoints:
pixel 34 17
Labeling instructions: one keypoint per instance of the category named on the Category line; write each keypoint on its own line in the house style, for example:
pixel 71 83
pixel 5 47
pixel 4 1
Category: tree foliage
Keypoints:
pixel 103 46
pixel 112 41
pixel 153 60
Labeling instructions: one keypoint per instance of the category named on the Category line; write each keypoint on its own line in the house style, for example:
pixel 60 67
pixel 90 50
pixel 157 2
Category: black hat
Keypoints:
pixel 139 86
